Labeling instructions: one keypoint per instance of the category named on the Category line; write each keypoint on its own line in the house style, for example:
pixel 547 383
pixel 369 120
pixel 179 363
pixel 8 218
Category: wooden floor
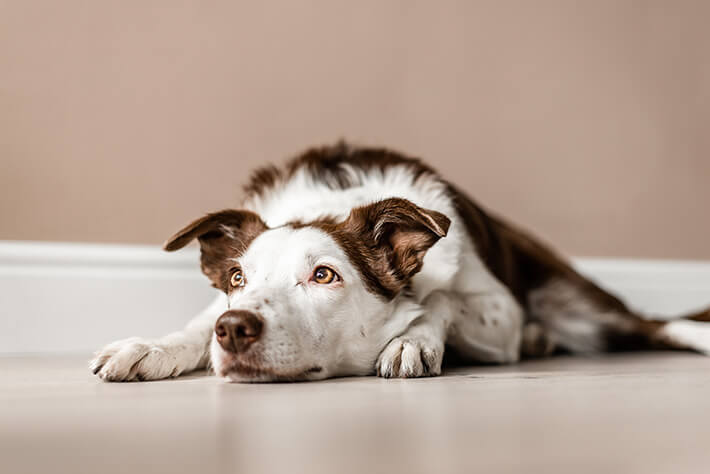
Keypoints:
pixel 644 413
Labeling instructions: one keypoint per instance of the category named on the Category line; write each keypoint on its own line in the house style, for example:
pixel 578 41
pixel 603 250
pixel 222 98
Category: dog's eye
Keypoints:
pixel 324 275
pixel 237 278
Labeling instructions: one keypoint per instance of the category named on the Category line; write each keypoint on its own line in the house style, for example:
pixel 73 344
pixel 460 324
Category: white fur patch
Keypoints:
pixel 692 334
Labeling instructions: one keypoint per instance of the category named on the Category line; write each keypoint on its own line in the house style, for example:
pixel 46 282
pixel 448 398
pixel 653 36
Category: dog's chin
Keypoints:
pixel 237 371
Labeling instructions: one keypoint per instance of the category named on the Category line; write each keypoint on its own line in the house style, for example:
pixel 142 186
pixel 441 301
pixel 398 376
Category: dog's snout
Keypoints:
pixel 237 330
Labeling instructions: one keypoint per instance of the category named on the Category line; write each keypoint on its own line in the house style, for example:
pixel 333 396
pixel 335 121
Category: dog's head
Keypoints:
pixel 310 300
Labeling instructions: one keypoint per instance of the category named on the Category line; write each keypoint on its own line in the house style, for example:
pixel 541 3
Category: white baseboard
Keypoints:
pixel 76 297
pixel 58 297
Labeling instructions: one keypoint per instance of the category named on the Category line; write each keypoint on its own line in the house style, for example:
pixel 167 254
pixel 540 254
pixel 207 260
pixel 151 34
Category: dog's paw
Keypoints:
pixel 134 359
pixel 406 357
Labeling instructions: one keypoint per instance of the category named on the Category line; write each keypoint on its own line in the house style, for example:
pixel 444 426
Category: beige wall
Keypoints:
pixel 588 122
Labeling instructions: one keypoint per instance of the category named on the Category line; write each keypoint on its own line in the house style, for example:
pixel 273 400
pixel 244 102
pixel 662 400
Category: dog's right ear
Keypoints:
pixel 222 236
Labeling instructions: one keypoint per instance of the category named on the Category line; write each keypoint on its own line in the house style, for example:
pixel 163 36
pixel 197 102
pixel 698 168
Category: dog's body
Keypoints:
pixel 336 265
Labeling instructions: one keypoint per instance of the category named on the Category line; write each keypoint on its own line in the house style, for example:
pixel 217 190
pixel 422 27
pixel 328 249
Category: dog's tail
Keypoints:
pixel 689 332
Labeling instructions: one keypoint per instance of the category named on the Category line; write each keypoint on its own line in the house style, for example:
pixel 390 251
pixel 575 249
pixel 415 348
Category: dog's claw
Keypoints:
pixel 404 357
pixel 134 359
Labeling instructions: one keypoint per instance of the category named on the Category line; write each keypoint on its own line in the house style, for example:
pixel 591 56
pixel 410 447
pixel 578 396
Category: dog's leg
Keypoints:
pixel 571 315
pixel 537 341
pixel 420 350
pixel 483 327
pixel 169 356
pixel 579 317
pixel 486 327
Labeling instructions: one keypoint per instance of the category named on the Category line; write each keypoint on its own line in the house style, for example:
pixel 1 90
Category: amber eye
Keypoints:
pixel 237 278
pixel 325 275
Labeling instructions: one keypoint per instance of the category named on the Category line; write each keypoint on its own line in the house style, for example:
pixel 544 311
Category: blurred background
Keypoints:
pixel 586 122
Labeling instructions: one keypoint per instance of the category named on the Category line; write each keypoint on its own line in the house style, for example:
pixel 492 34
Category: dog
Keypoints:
pixel 358 261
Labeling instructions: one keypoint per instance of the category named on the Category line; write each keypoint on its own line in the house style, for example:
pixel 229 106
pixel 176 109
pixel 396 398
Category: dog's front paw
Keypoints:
pixel 134 359
pixel 406 357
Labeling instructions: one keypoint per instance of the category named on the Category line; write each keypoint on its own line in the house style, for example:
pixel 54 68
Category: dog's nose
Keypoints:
pixel 237 330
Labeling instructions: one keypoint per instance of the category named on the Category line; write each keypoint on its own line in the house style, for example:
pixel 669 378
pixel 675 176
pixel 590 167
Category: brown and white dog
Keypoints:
pixel 357 261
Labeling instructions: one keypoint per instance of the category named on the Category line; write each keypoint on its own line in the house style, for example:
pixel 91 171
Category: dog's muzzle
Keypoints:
pixel 237 330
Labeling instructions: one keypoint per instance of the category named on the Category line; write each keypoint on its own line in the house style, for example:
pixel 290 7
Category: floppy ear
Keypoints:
pixel 222 235
pixel 400 230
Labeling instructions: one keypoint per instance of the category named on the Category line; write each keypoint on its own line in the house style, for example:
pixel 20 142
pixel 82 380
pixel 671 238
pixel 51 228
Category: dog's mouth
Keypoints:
pixel 237 371
pixel 253 366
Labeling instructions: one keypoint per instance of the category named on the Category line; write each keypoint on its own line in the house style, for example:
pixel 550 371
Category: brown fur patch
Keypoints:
pixel 703 316
pixel 329 165
pixel 222 235
pixel 387 241
pixel 520 261
pixel 262 179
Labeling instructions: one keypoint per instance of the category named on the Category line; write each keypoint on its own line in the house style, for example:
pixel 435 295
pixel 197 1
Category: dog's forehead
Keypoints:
pixel 289 246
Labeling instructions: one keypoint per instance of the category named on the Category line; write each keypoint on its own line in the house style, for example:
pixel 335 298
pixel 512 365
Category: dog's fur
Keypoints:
pixel 419 267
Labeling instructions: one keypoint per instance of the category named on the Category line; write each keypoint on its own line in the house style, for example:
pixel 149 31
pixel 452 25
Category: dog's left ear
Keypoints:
pixel 222 235
pixel 403 230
